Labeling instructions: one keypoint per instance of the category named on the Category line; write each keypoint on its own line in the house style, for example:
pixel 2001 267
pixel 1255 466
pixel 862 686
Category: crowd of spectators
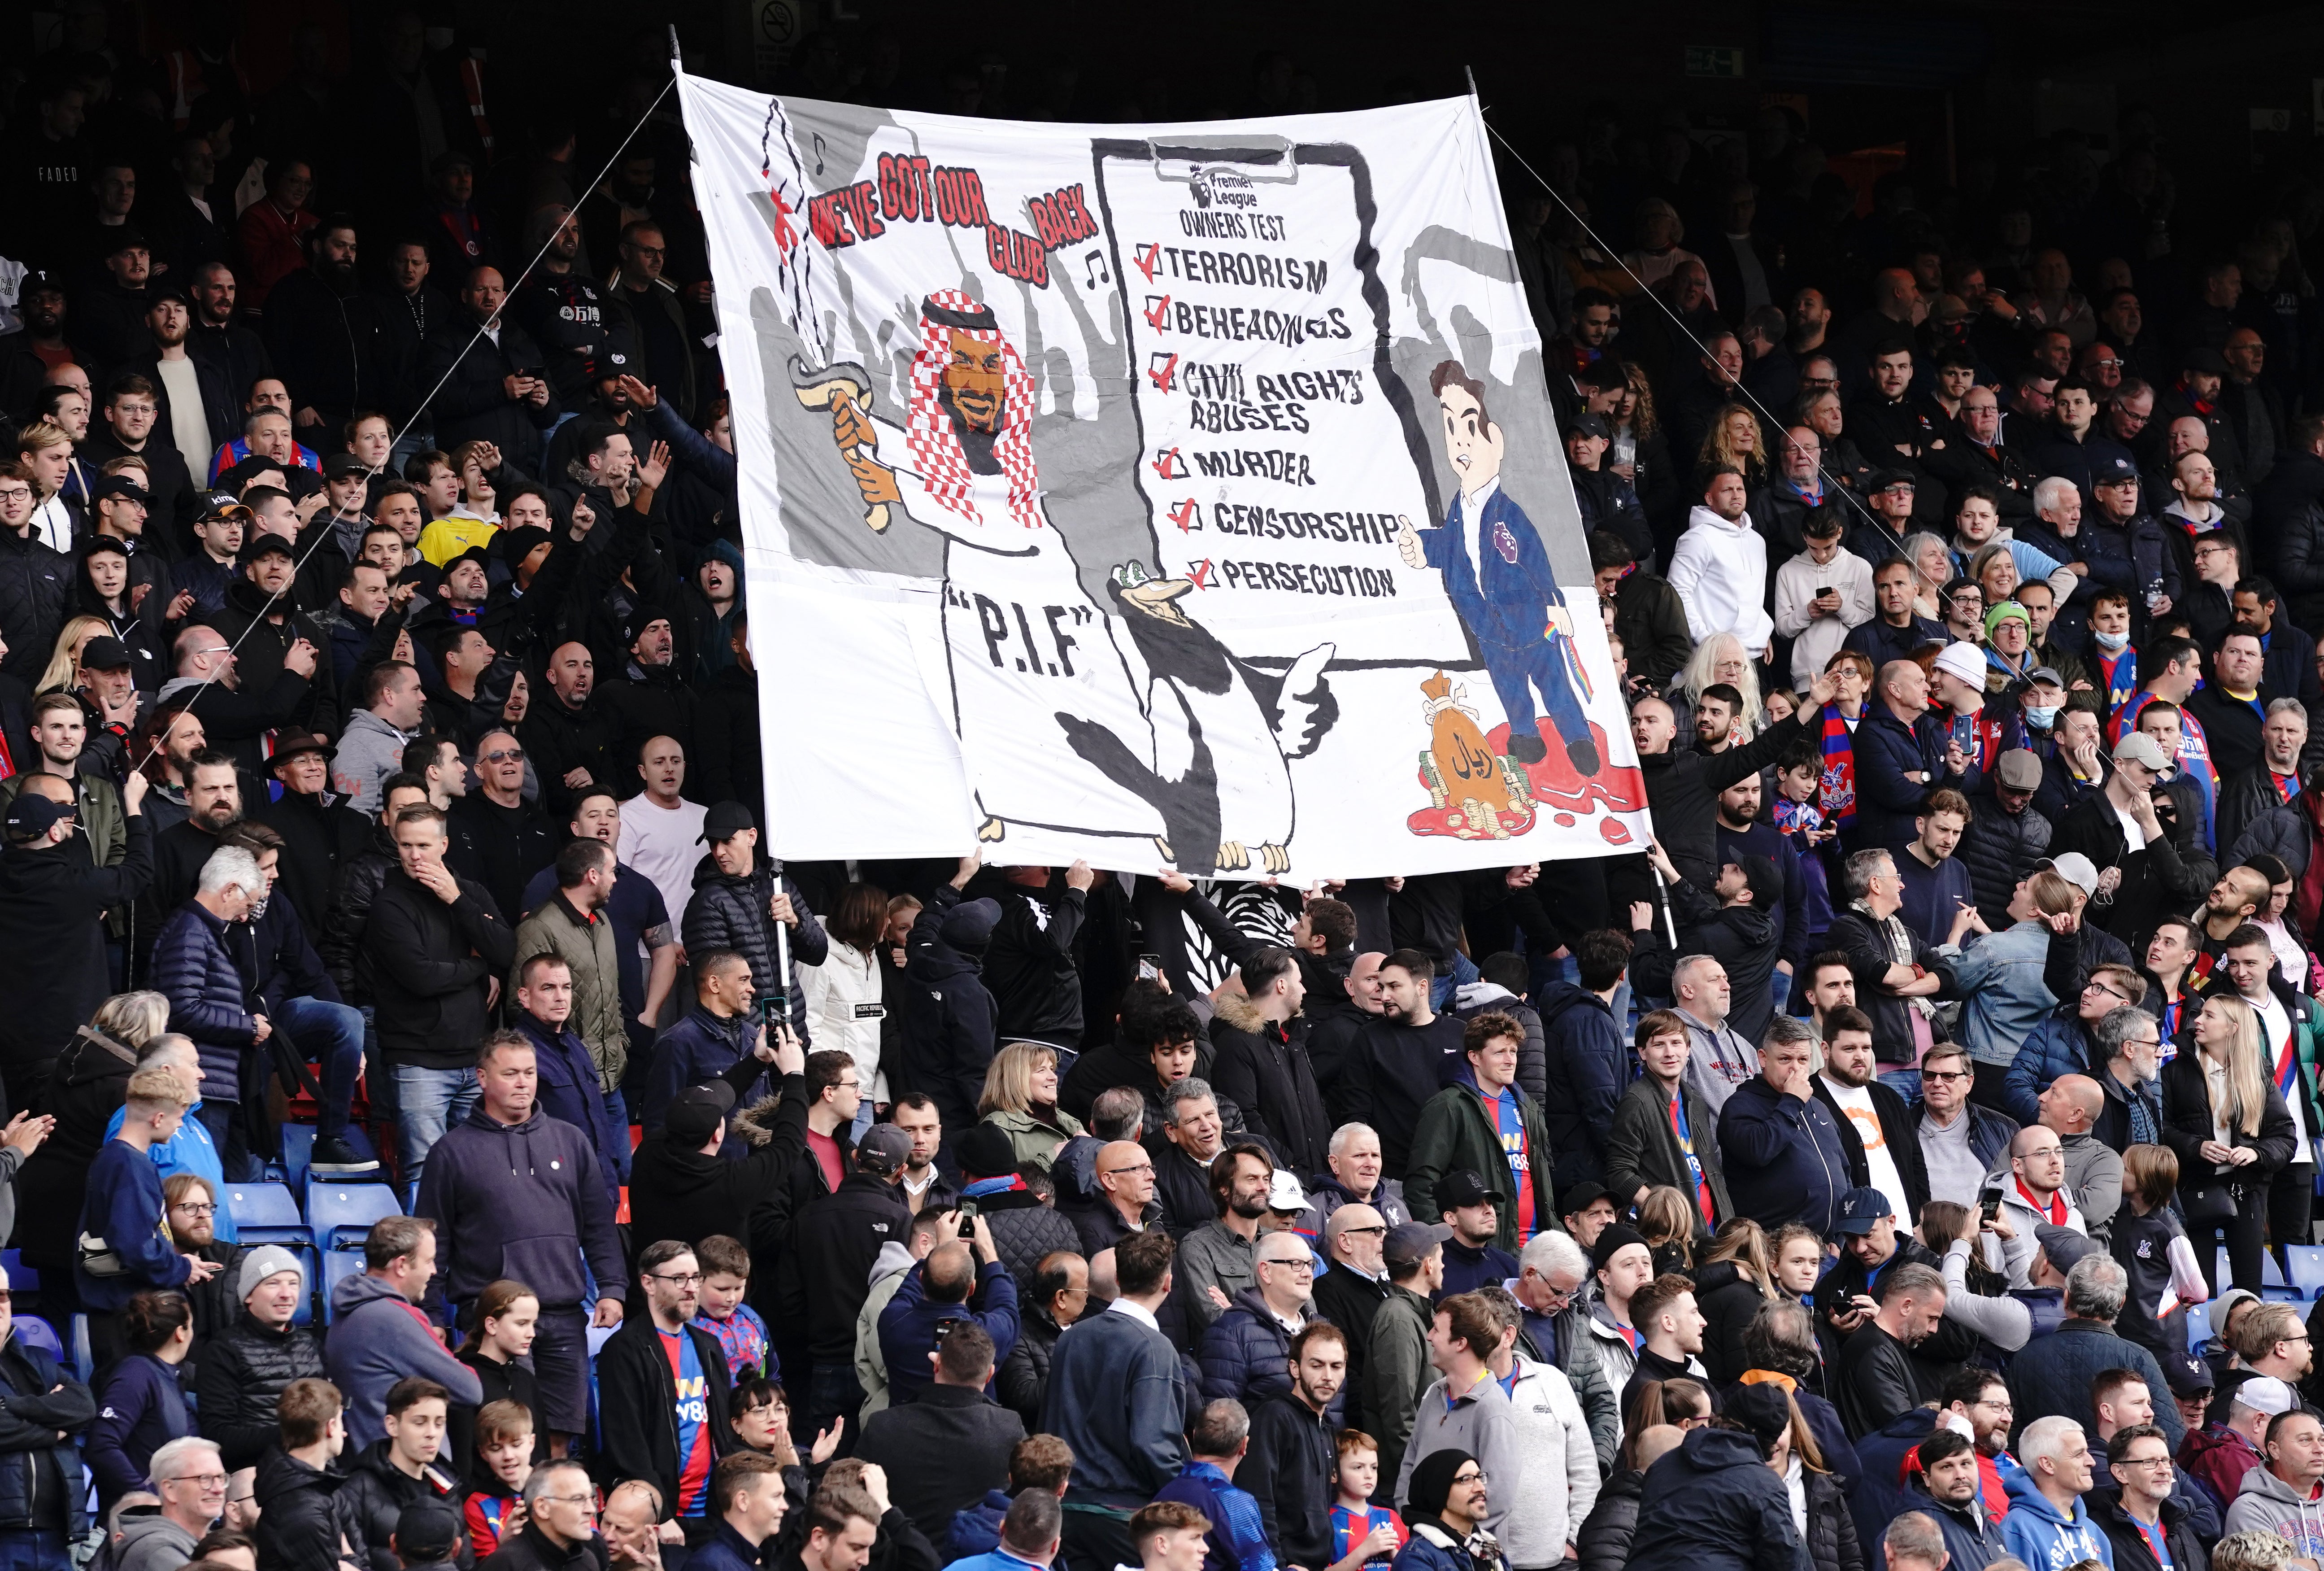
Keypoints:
pixel 1833 1185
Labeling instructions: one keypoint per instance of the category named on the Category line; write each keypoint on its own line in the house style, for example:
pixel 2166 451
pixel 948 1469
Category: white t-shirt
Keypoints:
pixel 2275 1033
pixel 665 845
pixel 189 428
pixel 1856 1102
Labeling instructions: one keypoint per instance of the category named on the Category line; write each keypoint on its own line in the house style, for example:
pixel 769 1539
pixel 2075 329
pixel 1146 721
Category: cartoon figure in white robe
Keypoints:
pixel 1023 637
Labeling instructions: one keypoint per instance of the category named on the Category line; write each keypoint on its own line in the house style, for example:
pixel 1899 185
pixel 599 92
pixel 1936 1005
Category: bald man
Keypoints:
pixel 2070 1107
pixel 1333 1025
pixel 1899 760
pixel 1682 786
pixel 1125 1197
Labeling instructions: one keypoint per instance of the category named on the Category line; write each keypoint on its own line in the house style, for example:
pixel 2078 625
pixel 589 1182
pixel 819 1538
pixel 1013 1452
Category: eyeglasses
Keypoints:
pixel 688 1280
pixel 504 755
pixel 1381 1230
pixel 589 1501
pixel 16 494
pixel 1298 1263
pixel 195 1208
pixel 1470 1475
pixel 2163 1461
pixel 1947 1075
pixel 1149 1167
pixel 2106 988
pixel 208 1481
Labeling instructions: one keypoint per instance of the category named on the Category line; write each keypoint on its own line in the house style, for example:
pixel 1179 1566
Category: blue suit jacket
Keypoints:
pixel 1517 585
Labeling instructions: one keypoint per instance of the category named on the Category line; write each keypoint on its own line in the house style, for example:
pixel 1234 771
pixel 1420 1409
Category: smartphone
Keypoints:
pixel 1988 1204
pixel 1821 590
pixel 1149 967
pixel 968 1225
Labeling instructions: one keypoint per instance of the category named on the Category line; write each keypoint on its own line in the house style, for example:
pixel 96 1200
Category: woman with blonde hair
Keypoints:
pixel 1933 567
pixel 2150 1244
pixel 1020 1098
pixel 63 672
pixel 1733 442
pixel 2225 1120
pixel 1737 1274
pixel 1658 254
pixel 1722 658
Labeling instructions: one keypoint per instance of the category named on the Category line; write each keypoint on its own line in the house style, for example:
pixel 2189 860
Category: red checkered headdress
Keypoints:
pixel 929 430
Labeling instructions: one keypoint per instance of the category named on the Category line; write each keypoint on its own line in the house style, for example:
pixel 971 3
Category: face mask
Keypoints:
pixel 2111 642
pixel 2041 718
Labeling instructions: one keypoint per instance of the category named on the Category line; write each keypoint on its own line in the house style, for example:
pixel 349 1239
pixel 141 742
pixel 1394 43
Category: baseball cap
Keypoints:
pixel 162 293
pixel 1589 425
pixel 128 237
pixel 264 542
pixel 339 465
pixel 1575 1198
pixel 2020 768
pixel 1465 1186
pixel 883 1148
pixel 1963 660
pixel 40 281
pixel 1616 1237
pixel 426 1529
pixel 32 815
pixel 2187 1375
pixel 1284 1193
pixel 969 925
pixel 1859 1209
pixel 117 485
pixel 2138 748
pixel 2112 470
pixel 695 1113
pixel 2264 1393
pixel 1408 1242
pixel 2044 674
pixel 480 555
pixel 104 654
pixel 2066 1247
pixel 220 504
pixel 724 821
pixel 2076 869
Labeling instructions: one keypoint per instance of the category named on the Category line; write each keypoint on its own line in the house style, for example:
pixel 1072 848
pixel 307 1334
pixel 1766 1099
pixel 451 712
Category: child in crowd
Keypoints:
pixel 507 1315
pixel 494 1508
pixel 1797 777
pixel 725 1278
pixel 1357 1524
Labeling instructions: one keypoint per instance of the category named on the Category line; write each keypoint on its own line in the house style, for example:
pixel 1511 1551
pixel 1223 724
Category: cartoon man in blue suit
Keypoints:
pixel 1498 579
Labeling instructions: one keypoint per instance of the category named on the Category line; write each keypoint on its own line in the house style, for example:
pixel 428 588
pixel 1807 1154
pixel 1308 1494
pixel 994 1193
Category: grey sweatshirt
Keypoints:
pixel 1481 1423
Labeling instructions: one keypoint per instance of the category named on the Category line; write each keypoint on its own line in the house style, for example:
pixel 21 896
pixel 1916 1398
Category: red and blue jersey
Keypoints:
pixel 484 1513
pixel 1352 1524
pixel 693 1412
pixel 744 1335
pixel 1509 1121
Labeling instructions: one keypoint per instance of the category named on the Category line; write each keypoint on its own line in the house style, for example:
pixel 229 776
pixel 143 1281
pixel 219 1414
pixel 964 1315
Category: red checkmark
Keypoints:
pixel 1200 574
pixel 1166 375
pixel 1146 258
pixel 1166 464
pixel 1183 515
pixel 1157 312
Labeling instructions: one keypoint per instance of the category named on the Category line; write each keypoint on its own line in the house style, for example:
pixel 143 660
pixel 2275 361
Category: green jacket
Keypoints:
pixel 1457 1131
pixel 103 819
pixel 1396 1373
pixel 588 950
pixel 1035 1140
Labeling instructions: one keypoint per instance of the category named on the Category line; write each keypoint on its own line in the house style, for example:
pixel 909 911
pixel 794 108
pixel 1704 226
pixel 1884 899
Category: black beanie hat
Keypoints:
pixel 1764 1409
pixel 1432 1481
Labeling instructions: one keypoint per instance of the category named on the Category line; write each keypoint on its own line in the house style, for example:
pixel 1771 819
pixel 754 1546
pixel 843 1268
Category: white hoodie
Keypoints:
pixel 1721 573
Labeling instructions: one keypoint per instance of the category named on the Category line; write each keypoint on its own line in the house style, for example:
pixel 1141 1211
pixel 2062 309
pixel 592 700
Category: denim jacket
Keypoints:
pixel 2000 976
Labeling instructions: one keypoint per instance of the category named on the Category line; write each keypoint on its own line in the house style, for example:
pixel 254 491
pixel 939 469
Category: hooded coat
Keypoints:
pixel 1713 1505
pixel 950 1018
pixel 1264 1068
pixel 1588 1066
pixel 523 1200
pixel 2046 1539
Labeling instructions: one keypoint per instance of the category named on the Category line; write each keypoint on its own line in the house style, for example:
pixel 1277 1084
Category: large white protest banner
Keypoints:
pixel 1176 495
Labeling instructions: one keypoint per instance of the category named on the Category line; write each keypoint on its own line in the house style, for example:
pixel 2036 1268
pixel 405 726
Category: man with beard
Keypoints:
pixel 324 333
pixel 195 405
pixel 571 739
pixel 213 807
pixel 652 699
pixel 1874 1375
pixel 564 309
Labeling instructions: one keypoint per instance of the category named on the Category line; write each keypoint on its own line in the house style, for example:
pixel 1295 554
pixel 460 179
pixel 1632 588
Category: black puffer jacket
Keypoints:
pixel 1727 1299
pixel 1999 849
pixel 1833 1542
pixel 352 890
pixel 298 1514
pixel 242 1373
pixel 1023 1383
pixel 730 913
pixel 375 1494
pixel 36 582
pixel 1023 1231
pixel 1604 1541
pixel 949 1016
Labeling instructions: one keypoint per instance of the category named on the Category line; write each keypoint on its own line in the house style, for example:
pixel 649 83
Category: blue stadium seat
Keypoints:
pixel 268 1213
pixel 2199 1326
pixel 2270 1275
pixel 22 1279
pixel 2307 1269
pixel 83 1361
pixel 40 1334
pixel 341 1214
pixel 298 1151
